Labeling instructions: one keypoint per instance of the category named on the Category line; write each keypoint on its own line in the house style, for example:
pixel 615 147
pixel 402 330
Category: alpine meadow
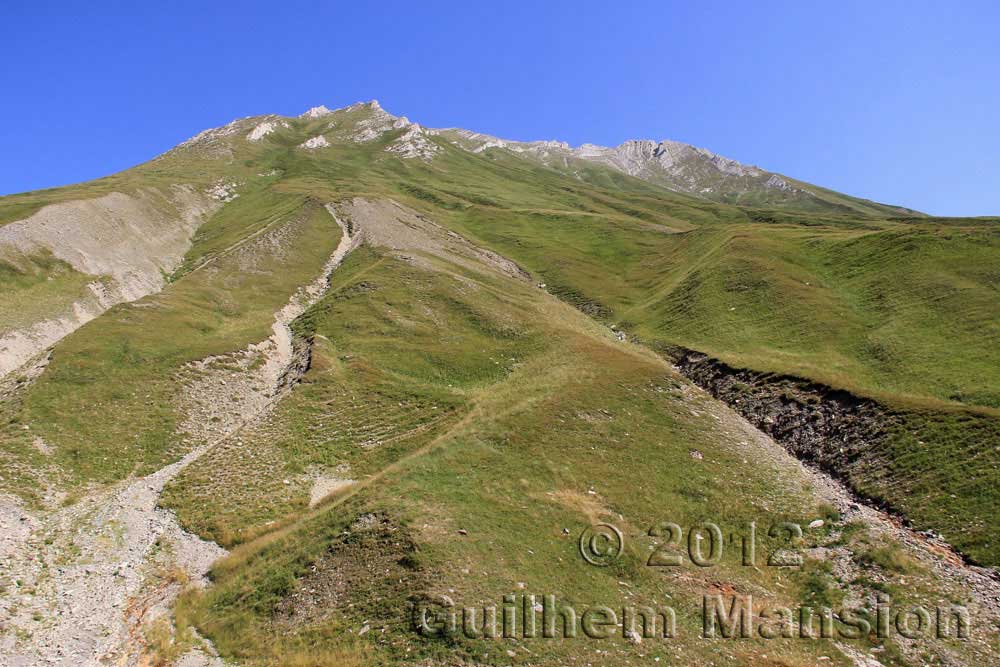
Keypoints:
pixel 339 389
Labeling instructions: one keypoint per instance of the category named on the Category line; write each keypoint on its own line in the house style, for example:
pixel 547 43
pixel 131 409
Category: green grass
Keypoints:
pixel 581 429
pixel 106 401
pixel 34 288
pixel 942 471
pixel 460 400
pixel 577 411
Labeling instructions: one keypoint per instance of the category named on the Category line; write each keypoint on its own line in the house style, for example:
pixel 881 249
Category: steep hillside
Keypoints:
pixel 365 366
pixel 100 252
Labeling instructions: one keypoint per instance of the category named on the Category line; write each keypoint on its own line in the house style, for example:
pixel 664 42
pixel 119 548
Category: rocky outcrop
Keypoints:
pixel 316 112
pixel 376 123
pixel 778 183
pixel 830 428
pixel 213 134
pixel 671 164
pixel 264 129
pixel 413 143
pixel 315 142
pixel 223 191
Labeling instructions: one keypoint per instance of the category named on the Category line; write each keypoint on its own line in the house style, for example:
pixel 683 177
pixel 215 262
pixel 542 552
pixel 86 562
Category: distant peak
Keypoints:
pixel 321 110
pixel 316 112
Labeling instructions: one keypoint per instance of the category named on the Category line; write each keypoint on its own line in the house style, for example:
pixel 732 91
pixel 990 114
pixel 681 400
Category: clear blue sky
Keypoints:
pixel 894 101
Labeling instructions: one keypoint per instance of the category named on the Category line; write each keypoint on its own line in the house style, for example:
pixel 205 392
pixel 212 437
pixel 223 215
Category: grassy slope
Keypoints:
pixel 37 287
pixel 901 310
pixel 538 406
pixel 823 297
pixel 105 403
pixel 547 423
pixel 524 387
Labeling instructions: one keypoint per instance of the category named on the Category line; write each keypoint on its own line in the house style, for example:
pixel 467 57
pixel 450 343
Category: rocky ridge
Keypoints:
pixel 672 164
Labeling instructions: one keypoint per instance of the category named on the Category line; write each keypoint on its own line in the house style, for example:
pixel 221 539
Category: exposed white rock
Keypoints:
pixel 264 129
pixel 548 145
pixel 213 133
pixel 377 123
pixel 370 104
pixel 492 143
pixel 630 157
pixel 212 138
pixel 778 183
pixel 316 112
pixel 315 142
pixel 413 143
pixel 224 192
pixel 591 150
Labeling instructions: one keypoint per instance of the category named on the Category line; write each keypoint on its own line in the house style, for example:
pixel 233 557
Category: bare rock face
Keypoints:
pixel 376 123
pixel 631 157
pixel 264 129
pixel 316 112
pixel 778 183
pixel 637 157
pixel 830 428
pixel 315 142
pixel 414 143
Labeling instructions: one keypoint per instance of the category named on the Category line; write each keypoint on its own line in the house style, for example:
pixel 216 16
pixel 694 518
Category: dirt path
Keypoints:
pixel 91 576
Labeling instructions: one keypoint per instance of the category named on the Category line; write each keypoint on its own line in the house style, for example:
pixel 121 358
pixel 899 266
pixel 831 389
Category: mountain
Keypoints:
pixel 683 168
pixel 669 164
pixel 291 388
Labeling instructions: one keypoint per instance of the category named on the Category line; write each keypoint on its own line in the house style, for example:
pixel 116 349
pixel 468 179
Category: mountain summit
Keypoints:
pixel 672 165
